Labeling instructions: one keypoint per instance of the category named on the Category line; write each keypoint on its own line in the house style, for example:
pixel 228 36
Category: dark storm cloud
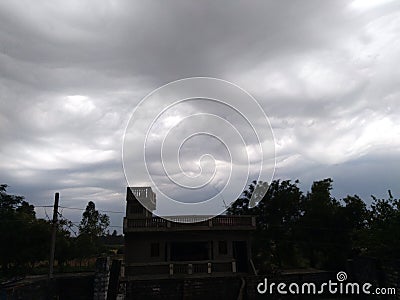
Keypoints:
pixel 71 73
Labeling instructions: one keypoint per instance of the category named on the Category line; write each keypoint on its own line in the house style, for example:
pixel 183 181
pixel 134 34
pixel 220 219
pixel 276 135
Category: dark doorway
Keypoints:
pixel 187 251
pixel 240 255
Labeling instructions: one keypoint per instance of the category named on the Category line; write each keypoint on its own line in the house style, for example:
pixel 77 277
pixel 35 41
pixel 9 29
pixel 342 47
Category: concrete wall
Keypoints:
pixel 219 287
pixel 65 286
pixel 138 245
pixel 204 288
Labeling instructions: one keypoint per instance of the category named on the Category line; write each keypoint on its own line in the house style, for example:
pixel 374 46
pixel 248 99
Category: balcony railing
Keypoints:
pixel 189 223
pixel 180 268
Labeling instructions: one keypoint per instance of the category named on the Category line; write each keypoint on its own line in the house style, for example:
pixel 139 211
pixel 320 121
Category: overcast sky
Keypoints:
pixel 71 72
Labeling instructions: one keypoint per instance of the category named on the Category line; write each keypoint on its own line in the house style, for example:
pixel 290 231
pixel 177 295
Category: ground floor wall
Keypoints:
pixel 157 246
pixel 163 248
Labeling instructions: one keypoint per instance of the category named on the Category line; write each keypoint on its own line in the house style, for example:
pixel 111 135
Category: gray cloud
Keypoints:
pixel 71 74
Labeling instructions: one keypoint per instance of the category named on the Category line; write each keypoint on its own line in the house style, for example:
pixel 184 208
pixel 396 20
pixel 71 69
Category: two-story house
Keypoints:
pixel 184 245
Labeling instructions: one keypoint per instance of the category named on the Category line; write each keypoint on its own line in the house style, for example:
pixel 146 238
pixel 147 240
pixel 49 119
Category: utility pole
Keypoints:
pixel 53 235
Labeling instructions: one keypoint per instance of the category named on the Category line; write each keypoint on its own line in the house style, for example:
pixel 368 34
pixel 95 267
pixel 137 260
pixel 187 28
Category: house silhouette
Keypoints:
pixel 183 246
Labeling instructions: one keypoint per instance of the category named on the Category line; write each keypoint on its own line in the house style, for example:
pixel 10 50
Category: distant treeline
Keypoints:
pixel 316 230
pixel 25 239
pixel 294 230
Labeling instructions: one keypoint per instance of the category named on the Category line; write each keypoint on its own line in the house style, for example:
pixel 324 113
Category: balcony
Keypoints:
pixel 184 269
pixel 183 223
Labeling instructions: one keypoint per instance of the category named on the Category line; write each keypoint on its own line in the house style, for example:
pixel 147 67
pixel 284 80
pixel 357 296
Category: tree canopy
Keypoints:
pixel 93 223
pixel 315 229
pixel 25 239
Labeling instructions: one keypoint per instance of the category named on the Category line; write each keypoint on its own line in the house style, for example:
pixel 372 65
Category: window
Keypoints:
pixel 187 251
pixel 155 249
pixel 222 247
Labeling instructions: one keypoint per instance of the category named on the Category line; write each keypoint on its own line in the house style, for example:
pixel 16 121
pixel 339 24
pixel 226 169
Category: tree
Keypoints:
pixel 23 238
pixel 93 223
pixel 241 205
pixel 8 202
pixel 296 230
pixel 315 228
pixel 382 236
pixel 276 217
pixel 92 228
pixel 355 212
pixel 327 228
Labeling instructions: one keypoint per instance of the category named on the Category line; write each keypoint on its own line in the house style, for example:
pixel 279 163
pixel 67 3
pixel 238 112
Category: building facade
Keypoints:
pixel 189 246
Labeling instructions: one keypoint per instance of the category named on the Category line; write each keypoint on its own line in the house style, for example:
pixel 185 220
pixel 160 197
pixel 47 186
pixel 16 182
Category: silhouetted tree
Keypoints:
pixel 241 205
pixel 23 238
pixel 93 223
pixel 276 215
pixel 93 226
pixel 296 230
pixel 321 228
pixel 382 236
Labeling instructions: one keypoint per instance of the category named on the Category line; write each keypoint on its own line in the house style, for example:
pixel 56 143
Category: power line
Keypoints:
pixel 82 209
pixel 116 226
pixel 102 210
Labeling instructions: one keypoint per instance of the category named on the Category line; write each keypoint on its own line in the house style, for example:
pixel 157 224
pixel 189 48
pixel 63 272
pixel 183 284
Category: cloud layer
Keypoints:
pixel 71 74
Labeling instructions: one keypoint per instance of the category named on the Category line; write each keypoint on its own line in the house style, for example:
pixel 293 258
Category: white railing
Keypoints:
pixel 190 221
pixel 176 268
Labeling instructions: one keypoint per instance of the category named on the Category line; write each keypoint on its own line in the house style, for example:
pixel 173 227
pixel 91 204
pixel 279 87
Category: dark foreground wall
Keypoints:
pixel 65 286
pixel 213 288
pixel 236 288
pixel 193 288
pixel 380 272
